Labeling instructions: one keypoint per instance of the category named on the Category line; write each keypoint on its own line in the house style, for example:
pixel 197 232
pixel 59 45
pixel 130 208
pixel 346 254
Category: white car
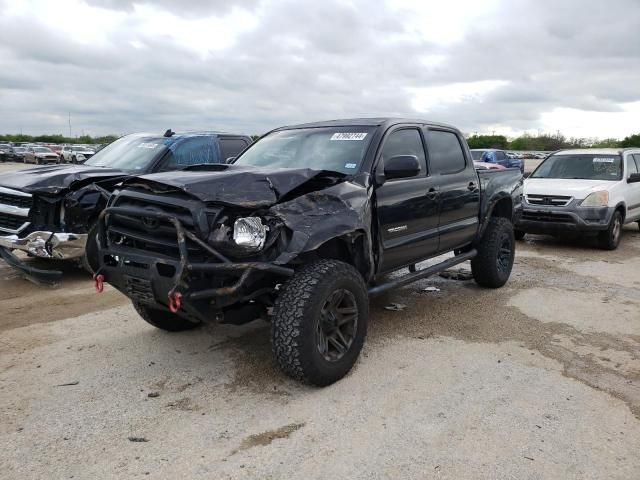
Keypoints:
pixel 588 191
pixel 75 154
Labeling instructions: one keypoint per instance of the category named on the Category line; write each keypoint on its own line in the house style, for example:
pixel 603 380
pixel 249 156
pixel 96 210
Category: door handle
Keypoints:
pixel 432 194
pixel 471 186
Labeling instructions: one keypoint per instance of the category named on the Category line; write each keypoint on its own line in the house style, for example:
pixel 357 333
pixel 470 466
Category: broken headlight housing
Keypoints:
pixel 250 233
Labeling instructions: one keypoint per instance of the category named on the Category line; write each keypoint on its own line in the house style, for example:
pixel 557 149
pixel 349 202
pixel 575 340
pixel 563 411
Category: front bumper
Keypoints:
pixel 541 219
pixel 207 290
pixel 61 246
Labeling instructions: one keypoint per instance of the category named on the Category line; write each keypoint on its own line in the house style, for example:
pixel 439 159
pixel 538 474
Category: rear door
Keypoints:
pixel 407 208
pixel 459 188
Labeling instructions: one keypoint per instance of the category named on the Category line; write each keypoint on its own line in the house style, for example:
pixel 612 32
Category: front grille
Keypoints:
pixel 11 222
pixel 547 217
pixel 549 200
pixel 147 233
pixel 15 200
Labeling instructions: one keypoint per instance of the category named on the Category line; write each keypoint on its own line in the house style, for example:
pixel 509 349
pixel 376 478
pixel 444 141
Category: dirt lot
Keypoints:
pixel 537 380
pixel 540 379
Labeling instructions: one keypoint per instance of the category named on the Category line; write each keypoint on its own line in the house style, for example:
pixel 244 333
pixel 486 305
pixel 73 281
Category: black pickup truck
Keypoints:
pixel 48 212
pixel 302 227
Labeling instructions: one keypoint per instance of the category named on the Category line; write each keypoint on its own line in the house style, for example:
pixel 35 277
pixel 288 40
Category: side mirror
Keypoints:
pixel 401 166
pixel 230 159
pixel 634 178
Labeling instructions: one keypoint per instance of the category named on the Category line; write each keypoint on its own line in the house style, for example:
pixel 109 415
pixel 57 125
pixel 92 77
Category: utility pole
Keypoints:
pixel 69 124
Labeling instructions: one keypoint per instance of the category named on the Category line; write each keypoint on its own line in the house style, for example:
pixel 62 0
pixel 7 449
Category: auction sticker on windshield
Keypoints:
pixel 603 160
pixel 348 136
pixel 148 145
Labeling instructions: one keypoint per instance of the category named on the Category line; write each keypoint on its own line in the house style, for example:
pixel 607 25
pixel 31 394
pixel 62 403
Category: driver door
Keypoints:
pixel 407 208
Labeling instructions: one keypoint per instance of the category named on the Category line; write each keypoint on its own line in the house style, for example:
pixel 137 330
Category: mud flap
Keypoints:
pixel 35 275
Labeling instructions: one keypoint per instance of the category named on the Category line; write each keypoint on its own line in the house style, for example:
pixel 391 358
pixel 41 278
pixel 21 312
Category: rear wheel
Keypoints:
pixel 609 239
pixel 320 322
pixel 492 266
pixel 164 320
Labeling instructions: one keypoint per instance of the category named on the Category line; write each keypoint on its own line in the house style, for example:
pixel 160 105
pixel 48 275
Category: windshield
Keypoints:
pixel 80 149
pixel 338 149
pixel 19 149
pixel 132 153
pixel 589 166
pixel 477 155
pixel 42 150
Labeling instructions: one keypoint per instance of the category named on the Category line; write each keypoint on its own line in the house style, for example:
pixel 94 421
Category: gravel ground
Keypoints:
pixel 537 380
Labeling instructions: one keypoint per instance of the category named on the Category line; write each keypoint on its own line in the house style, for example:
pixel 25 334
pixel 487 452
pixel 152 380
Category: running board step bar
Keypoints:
pixel 420 274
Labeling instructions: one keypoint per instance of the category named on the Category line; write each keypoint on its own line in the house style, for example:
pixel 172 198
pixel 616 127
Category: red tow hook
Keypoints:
pixel 99 283
pixel 175 302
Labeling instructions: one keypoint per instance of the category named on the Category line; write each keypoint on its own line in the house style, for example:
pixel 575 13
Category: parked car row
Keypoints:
pixel 32 153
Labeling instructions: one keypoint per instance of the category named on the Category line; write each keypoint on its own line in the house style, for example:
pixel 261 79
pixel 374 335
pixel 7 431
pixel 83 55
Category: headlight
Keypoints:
pixel 249 232
pixel 596 199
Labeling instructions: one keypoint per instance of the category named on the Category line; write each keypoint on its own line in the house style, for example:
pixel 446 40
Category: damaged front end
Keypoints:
pixel 48 226
pixel 224 261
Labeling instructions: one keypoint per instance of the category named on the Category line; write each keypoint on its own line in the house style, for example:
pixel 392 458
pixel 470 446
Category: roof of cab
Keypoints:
pixel 365 122
pixel 184 134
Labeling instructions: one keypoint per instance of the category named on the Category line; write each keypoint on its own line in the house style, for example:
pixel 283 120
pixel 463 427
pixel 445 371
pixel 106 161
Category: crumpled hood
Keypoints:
pixel 237 185
pixel 55 178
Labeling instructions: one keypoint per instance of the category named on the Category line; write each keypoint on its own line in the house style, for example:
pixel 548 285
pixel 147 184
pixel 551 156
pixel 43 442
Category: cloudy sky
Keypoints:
pixel 247 66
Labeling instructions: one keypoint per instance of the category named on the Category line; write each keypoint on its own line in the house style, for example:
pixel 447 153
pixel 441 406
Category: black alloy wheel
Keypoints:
pixel 337 325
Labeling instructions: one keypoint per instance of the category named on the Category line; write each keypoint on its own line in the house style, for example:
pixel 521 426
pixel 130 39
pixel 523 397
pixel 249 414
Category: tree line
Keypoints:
pixel 57 139
pixel 546 142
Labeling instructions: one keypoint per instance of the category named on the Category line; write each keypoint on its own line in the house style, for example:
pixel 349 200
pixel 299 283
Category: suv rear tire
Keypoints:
pixel 492 266
pixel 320 322
pixel 164 320
pixel 609 239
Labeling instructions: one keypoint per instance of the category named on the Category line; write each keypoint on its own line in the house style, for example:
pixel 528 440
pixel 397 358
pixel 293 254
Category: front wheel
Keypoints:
pixel 609 239
pixel 320 322
pixel 492 266
pixel 164 320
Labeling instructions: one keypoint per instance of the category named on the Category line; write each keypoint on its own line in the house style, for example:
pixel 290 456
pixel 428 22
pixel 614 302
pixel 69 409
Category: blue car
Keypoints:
pixel 500 157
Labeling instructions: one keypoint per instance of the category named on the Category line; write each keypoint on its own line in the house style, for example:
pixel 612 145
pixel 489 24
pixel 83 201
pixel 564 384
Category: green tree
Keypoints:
pixel 488 141
pixel 631 141
pixel 607 143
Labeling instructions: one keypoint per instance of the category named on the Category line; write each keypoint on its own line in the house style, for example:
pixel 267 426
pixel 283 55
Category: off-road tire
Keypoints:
pixel 492 266
pixel 163 320
pixel 297 315
pixel 518 234
pixel 609 239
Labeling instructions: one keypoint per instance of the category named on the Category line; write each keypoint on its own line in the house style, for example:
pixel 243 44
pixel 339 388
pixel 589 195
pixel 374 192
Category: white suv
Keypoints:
pixel 585 191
